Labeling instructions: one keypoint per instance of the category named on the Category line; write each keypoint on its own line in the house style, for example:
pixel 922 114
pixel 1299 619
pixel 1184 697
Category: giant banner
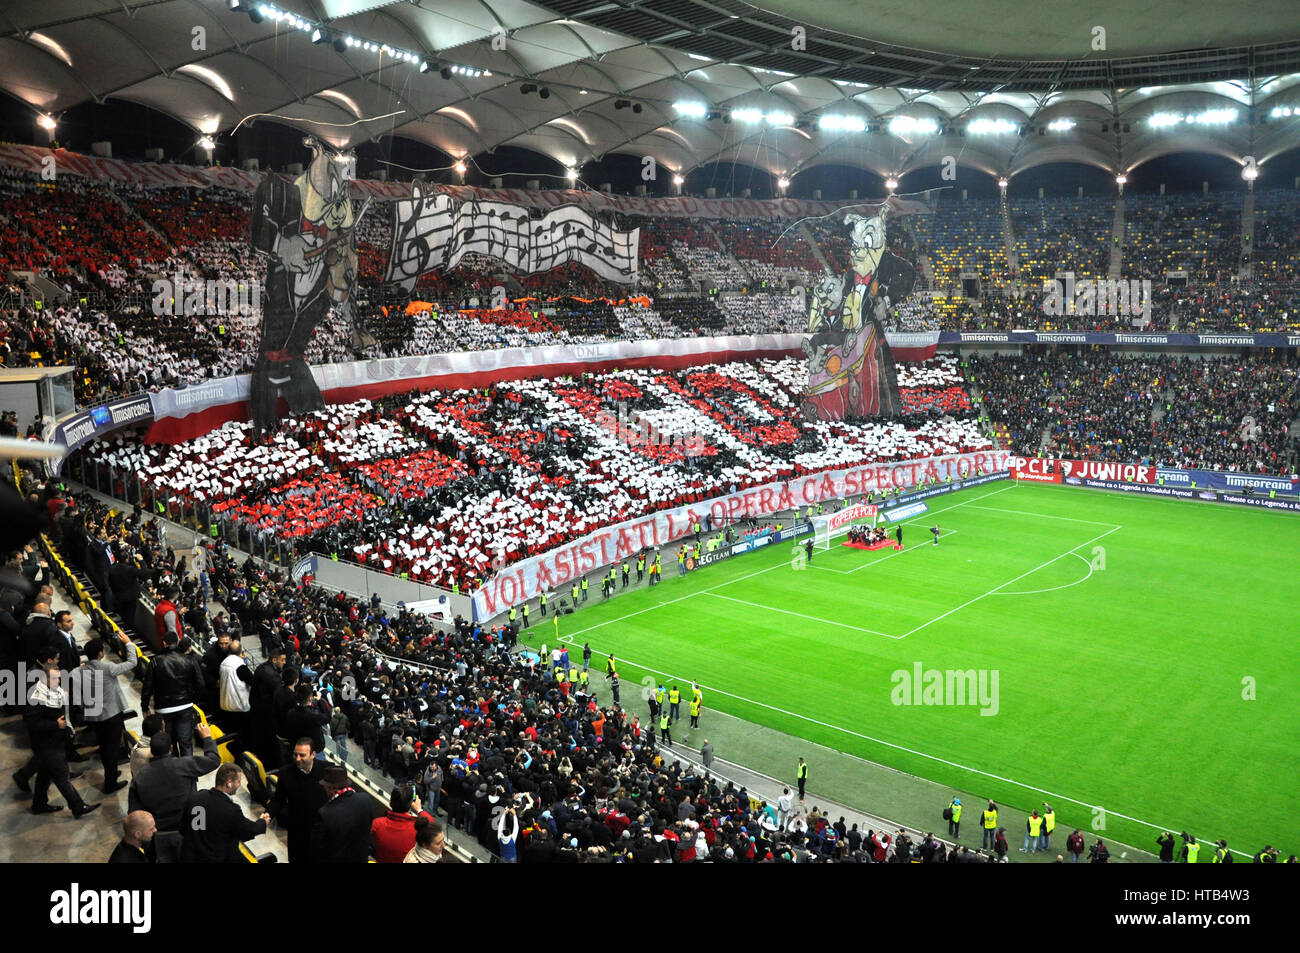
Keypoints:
pixel 305 228
pixel 433 232
pixel 559 567
pixel 1120 337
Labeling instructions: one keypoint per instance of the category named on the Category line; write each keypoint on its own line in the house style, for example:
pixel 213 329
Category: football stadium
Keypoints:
pixel 650 431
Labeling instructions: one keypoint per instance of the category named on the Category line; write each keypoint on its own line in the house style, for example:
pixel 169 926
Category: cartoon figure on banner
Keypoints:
pixel 306 228
pixel 850 366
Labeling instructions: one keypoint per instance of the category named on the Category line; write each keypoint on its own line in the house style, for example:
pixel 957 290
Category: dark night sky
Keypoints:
pixel 133 128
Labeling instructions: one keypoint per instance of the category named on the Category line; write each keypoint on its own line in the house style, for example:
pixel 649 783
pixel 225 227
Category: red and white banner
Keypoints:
pixel 1119 472
pixel 34 159
pixel 1035 470
pixel 560 567
pixel 182 414
pixel 858 511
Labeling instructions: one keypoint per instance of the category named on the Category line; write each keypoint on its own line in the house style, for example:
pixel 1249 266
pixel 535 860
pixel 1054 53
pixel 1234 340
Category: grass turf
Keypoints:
pixel 1119 688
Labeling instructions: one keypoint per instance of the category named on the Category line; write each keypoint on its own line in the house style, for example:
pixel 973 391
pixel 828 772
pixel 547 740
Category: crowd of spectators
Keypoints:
pixel 1225 413
pixel 443 485
pixel 1198 234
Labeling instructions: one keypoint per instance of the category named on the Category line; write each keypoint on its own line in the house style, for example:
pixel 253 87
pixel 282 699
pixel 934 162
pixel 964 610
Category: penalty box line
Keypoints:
pixel 943 534
pixel 1114 529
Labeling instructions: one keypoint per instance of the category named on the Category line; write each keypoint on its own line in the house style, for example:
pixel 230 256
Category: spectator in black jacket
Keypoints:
pixel 47 726
pixel 342 831
pixel 136 845
pixel 298 799
pixel 164 785
pixel 216 825
pixel 173 683
pixel 124 583
pixel 266 683
pixel 306 719
pixel 65 642
pixel 39 632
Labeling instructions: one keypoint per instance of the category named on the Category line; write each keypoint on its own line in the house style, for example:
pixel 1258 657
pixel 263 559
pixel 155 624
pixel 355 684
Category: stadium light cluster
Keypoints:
pixel 258 12
pixel 1210 117
pixel 991 127
pixel 1061 125
pixel 907 125
pixel 842 124
pixel 1284 112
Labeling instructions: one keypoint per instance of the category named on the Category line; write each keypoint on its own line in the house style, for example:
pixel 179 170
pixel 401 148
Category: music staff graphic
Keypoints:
pixel 433 232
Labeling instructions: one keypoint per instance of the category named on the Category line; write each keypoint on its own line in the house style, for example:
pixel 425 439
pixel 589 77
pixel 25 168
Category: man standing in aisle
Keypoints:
pixel 665 732
pixel 106 720
pixel 783 805
pixel 675 703
pixel 954 822
pixel 801 775
pixel 696 705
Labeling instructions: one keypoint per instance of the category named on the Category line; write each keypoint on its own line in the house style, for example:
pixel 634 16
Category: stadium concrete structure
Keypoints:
pixel 465 465
pixel 578 80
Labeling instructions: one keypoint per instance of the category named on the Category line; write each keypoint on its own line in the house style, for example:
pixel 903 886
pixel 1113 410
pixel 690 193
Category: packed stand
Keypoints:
pixel 1216 413
pixel 1199 234
pixel 445 485
pixel 1062 234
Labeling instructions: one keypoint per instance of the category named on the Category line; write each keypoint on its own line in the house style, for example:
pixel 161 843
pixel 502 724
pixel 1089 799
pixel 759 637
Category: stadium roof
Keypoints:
pixel 955 75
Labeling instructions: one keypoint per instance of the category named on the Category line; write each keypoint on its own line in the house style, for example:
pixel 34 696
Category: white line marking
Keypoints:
pixel 1010 581
pixel 810 618
pixel 1043 516
pixel 1034 592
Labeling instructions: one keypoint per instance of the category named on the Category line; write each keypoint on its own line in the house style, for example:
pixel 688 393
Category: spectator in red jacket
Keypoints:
pixel 393 835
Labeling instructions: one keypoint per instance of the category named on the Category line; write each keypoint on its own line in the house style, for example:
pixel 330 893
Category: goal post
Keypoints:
pixel 830 526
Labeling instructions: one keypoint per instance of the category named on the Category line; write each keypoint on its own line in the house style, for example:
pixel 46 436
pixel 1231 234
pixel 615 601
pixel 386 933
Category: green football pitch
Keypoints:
pixel 1144 651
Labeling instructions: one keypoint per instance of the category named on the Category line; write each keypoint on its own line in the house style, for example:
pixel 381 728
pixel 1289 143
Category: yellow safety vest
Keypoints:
pixel 674 696
pixel 990 820
pixel 1035 826
pixel 1050 819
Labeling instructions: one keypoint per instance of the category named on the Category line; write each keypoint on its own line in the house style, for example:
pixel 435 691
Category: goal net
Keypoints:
pixel 828 527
